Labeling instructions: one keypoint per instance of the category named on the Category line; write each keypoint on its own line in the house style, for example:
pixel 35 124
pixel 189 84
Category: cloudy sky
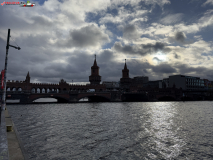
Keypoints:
pixel 59 38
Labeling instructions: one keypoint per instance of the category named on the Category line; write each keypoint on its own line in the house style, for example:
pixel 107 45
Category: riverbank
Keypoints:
pixel 3 138
pixel 11 146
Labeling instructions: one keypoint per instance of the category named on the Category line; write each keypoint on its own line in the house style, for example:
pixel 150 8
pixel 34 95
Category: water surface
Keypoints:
pixel 151 130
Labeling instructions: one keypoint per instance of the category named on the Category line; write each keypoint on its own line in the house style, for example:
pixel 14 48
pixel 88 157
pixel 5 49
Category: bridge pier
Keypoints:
pixel 24 99
pixel 62 101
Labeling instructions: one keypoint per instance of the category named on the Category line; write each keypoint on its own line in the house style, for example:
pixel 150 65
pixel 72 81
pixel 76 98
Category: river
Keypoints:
pixel 142 130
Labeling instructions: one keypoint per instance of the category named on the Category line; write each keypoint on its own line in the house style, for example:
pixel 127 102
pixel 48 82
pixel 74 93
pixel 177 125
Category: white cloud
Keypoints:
pixel 210 2
pixel 123 16
pixel 172 18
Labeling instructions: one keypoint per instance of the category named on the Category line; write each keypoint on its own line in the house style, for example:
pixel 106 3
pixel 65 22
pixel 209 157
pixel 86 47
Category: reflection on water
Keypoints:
pixel 161 130
pixel 45 100
pixel 13 101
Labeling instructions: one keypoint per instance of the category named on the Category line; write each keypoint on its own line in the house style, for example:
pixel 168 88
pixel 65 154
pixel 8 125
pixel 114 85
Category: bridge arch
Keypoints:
pixel 38 90
pixel 19 89
pixel 43 90
pixel 48 90
pixel 33 90
pixel 59 98
pixel 95 98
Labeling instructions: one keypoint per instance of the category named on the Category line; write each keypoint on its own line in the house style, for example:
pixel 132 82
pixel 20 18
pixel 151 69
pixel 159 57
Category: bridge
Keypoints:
pixel 28 92
pixel 64 97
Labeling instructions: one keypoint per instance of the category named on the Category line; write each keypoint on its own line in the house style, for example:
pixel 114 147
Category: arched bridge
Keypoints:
pixel 61 97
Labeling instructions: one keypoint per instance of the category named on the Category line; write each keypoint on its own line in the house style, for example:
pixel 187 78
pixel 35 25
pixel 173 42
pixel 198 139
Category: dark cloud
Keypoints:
pixel 186 69
pixel 106 55
pixel 180 37
pixel 202 72
pixel 163 68
pixel 141 49
pixel 130 28
pixel 89 36
pixel 130 32
pixel 176 56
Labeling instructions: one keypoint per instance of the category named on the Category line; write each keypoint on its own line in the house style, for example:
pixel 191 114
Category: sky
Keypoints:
pixel 59 38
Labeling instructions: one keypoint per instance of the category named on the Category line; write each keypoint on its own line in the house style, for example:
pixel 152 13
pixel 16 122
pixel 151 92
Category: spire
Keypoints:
pixel 27 80
pixel 125 67
pixel 95 63
pixel 28 75
pixel 125 71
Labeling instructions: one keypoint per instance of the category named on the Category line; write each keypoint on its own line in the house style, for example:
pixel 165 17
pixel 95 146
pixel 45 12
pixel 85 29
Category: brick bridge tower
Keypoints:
pixel 27 80
pixel 125 81
pixel 95 78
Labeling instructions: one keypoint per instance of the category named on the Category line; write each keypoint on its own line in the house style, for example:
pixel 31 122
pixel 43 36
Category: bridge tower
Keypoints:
pixel 125 81
pixel 95 78
pixel 27 80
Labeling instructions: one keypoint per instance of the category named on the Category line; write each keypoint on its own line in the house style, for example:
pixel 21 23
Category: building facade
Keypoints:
pixel 153 84
pixel 183 82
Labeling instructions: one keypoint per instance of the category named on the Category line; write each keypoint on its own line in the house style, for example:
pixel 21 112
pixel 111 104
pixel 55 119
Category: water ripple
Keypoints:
pixel 161 130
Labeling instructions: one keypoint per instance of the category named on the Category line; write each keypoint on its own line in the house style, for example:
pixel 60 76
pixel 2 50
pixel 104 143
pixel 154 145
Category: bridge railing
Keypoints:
pixel 10 92
pixel 55 92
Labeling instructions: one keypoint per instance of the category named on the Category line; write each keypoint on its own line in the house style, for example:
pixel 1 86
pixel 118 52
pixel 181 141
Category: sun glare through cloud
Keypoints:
pixel 159 57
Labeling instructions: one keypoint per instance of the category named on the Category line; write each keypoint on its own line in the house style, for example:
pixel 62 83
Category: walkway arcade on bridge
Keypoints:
pixel 62 87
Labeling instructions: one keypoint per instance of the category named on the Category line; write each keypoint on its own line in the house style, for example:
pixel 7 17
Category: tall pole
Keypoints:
pixel 5 73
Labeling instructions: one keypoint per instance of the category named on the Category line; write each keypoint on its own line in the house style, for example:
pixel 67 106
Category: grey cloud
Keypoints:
pixel 157 46
pixel 163 68
pixel 41 20
pixel 141 49
pixel 130 32
pixel 130 28
pixel 176 56
pixel 89 36
pixel 106 55
pixel 185 69
pixel 201 72
pixel 180 37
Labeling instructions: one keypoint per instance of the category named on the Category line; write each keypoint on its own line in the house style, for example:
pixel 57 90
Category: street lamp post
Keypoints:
pixel 5 71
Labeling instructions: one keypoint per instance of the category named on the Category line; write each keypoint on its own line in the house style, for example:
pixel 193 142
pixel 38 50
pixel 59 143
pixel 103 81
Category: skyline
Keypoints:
pixel 158 38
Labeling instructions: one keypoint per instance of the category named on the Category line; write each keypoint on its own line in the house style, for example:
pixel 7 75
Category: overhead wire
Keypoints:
pixel 14 41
